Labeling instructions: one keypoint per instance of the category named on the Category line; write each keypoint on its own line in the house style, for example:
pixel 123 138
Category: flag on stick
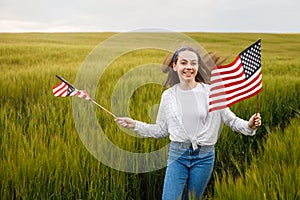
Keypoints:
pixel 238 80
pixel 65 89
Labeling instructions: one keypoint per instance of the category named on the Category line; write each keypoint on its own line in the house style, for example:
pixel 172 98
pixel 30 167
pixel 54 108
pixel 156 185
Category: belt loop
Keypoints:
pixel 195 146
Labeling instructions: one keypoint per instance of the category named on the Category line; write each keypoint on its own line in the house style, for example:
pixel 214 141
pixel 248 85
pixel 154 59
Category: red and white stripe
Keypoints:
pixel 82 94
pixel 229 85
pixel 62 88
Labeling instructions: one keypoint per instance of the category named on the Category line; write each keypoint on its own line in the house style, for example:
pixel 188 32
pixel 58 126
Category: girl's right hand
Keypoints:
pixel 125 122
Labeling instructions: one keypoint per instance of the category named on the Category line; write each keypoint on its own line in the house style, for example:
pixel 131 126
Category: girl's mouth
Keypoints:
pixel 188 72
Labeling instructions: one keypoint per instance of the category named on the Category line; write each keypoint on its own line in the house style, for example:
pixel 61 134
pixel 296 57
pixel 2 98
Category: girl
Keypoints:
pixel 193 131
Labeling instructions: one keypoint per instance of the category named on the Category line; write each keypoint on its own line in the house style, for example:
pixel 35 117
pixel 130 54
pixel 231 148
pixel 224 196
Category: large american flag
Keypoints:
pixel 65 89
pixel 237 81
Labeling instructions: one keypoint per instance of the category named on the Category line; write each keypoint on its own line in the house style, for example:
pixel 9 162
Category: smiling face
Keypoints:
pixel 186 66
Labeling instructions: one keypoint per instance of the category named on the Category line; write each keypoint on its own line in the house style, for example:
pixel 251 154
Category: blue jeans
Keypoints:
pixel 188 170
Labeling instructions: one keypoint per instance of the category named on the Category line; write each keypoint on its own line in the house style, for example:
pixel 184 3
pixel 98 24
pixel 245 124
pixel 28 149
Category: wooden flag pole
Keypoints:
pixel 103 108
pixel 256 103
pixel 86 97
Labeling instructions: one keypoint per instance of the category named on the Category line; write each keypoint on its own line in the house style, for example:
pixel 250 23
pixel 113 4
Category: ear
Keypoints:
pixel 174 67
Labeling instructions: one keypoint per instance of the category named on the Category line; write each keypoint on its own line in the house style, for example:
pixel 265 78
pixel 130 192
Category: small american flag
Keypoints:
pixel 237 81
pixel 65 89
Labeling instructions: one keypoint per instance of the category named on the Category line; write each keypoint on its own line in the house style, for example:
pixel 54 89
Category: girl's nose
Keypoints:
pixel 188 66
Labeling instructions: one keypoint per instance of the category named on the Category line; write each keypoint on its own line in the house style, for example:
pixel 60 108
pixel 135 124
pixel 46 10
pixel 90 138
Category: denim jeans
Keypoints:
pixel 188 170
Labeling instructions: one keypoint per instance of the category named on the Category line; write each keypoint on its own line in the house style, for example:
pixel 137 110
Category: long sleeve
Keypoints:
pixel 235 123
pixel 157 130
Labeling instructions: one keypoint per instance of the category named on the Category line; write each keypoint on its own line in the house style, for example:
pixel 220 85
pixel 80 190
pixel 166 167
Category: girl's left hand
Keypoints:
pixel 254 121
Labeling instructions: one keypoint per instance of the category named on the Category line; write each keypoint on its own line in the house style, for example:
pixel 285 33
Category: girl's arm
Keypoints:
pixel 240 125
pixel 157 130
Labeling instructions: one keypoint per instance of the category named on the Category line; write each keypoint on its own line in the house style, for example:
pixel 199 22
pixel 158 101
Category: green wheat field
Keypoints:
pixel 43 157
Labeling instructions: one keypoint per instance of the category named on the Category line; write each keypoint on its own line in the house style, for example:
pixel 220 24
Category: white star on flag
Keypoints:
pixel 238 80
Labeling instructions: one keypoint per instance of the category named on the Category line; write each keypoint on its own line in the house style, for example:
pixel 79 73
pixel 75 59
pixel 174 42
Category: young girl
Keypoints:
pixel 193 131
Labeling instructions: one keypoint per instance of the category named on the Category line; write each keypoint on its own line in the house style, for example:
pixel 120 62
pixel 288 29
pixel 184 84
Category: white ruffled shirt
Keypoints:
pixel 173 115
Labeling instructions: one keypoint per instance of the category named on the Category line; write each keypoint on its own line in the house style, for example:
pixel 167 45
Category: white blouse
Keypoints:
pixel 175 112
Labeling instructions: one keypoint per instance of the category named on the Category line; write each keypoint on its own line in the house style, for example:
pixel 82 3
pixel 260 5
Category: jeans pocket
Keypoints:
pixel 176 152
pixel 206 149
pixel 207 154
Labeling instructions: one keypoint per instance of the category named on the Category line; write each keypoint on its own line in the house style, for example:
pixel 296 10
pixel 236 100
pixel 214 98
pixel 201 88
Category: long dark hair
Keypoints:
pixel 205 65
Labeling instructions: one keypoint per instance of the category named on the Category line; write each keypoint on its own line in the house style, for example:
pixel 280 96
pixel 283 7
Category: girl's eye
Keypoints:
pixel 183 62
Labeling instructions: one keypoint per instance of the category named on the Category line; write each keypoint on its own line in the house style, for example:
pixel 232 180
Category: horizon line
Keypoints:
pixel 155 31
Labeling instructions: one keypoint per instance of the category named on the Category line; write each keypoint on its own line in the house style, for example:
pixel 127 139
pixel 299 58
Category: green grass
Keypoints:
pixel 273 174
pixel 43 157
